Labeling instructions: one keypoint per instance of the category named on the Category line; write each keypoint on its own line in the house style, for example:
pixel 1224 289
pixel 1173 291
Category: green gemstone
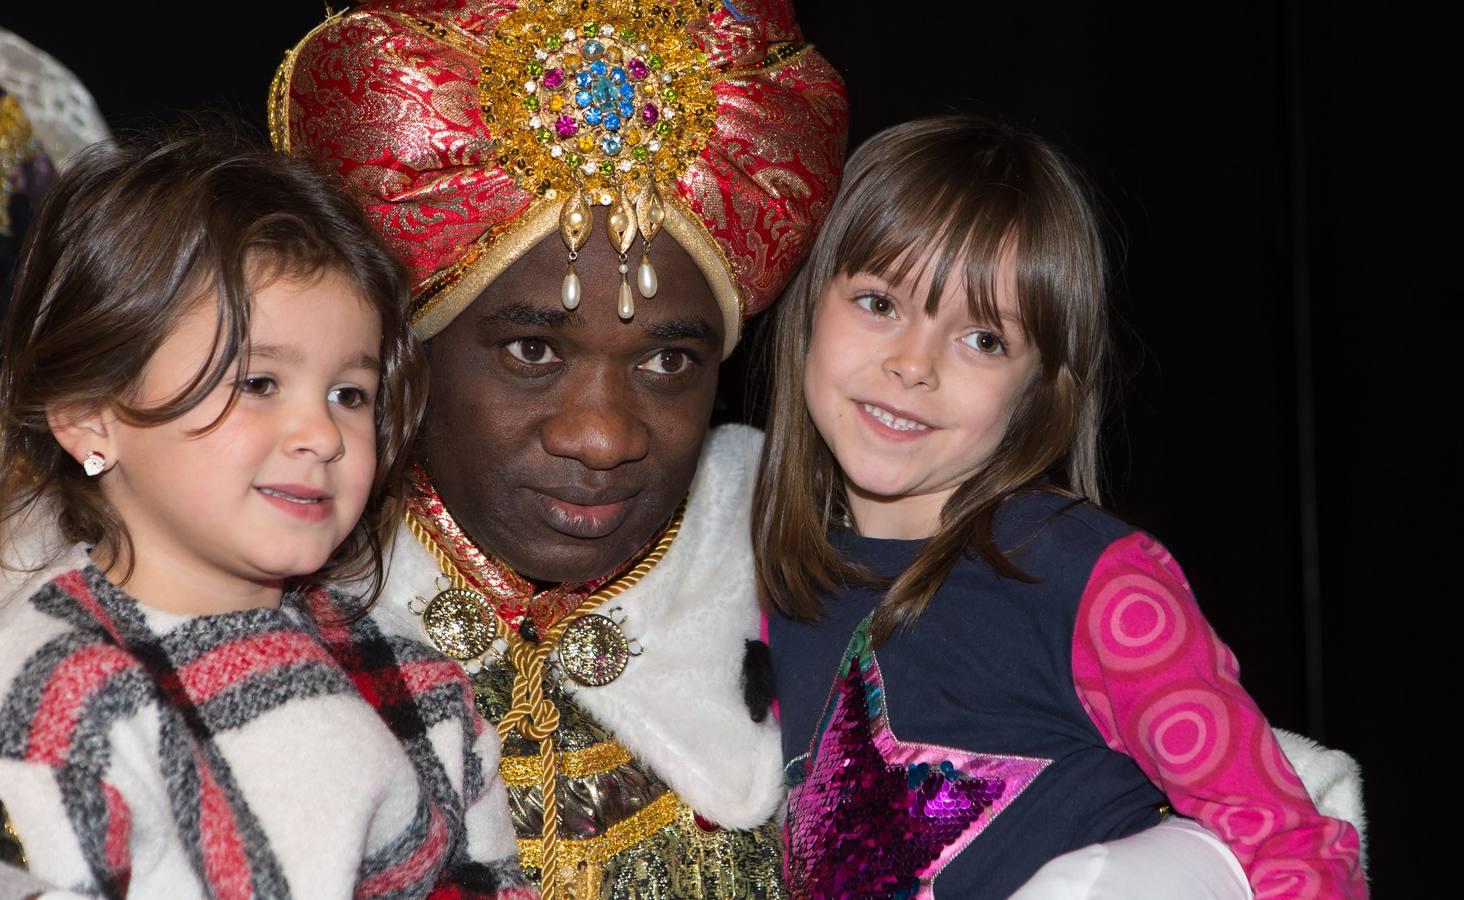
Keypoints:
pixel 640 153
pixel 654 61
pixel 552 43
pixel 544 136
pixel 627 35
pixel 663 128
pixel 574 159
pixel 607 167
pixel 668 95
pixel 536 68
pixel 531 103
pixel 590 30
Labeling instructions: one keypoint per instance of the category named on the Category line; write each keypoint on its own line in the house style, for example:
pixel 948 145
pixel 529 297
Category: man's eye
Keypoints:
pixel 257 385
pixel 532 351
pixel 985 342
pixel 349 397
pixel 877 304
pixel 668 362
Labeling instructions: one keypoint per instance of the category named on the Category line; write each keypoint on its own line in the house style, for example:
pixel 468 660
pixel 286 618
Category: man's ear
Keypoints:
pixel 82 432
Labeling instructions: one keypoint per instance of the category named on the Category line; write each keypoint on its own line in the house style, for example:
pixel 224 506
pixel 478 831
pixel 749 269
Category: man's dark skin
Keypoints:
pixel 563 441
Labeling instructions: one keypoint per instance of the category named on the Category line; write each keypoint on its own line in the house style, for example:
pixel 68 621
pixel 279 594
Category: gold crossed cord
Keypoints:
pixel 533 714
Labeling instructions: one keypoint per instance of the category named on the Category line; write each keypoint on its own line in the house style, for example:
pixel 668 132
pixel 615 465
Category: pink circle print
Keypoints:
pixel 1137 623
pixel 1191 730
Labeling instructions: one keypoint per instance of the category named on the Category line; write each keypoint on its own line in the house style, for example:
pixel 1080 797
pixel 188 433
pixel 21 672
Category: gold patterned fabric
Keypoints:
pixel 469 131
pixel 624 833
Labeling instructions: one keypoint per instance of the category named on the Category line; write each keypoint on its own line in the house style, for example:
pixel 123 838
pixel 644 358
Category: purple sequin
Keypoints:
pixel 875 816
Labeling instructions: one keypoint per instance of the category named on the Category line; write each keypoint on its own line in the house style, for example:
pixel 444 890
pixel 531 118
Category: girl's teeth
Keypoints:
pixel 289 497
pixel 891 420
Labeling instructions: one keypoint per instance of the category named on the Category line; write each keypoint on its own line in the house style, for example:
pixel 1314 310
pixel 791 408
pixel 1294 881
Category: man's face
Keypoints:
pixel 561 441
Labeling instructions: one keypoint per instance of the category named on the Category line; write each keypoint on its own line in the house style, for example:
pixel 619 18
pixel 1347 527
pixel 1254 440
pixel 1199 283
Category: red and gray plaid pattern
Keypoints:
pixel 213 677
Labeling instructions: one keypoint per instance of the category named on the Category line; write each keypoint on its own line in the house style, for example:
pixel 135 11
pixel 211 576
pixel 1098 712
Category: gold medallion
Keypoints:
pixel 459 623
pixel 593 651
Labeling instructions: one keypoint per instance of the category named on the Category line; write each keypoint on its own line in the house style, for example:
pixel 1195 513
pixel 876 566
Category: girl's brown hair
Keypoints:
pixel 131 237
pixel 960 194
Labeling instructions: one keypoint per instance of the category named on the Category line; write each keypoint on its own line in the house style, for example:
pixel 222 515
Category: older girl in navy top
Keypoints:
pixel 1016 674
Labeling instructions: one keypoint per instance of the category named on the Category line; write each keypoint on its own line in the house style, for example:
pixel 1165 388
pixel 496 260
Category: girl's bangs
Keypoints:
pixel 973 231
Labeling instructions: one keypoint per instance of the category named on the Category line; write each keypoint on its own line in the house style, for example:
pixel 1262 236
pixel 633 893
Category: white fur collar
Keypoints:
pixel 678 707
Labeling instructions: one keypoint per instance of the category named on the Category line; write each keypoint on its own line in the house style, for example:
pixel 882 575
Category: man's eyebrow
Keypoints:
pixel 528 315
pixel 694 328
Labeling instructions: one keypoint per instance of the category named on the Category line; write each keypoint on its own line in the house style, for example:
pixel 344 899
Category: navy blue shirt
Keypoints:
pixel 987 669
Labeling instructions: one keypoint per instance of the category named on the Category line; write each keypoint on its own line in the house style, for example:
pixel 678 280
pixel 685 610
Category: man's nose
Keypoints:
pixel 598 424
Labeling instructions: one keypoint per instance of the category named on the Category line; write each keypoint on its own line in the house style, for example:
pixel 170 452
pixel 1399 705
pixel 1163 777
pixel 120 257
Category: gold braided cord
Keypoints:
pixel 606 756
pixel 531 713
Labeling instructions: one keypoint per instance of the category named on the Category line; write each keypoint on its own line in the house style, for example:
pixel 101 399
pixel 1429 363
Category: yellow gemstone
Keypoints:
pixel 632 137
pixel 586 143
pixel 556 102
pixel 613 54
pixel 572 61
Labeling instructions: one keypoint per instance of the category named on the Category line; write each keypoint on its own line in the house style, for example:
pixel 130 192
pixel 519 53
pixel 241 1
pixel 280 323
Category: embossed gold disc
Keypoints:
pixel 459 623
pixel 593 651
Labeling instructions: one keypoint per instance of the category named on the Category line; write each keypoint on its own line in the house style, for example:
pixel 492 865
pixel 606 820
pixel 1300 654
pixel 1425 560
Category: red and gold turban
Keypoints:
pixel 470 131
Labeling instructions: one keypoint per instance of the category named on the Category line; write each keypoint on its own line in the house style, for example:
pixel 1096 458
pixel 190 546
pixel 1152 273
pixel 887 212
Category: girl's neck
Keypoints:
pixel 912 517
pixel 180 586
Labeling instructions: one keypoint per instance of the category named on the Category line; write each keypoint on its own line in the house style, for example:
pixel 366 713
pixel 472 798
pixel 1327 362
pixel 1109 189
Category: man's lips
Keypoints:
pixel 583 514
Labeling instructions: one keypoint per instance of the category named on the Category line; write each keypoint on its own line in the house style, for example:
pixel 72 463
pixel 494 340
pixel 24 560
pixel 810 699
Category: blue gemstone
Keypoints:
pixel 627 92
pixel 593 49
pixel 602 91
pixel 582 98
pixel 612 122
pixel 627 109
pixel 593 115
pixel 610 144
pixel 599 67
pixel 617 75
pixel 582 79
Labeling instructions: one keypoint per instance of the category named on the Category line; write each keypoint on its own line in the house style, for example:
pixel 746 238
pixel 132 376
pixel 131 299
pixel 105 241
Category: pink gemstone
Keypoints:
pixel 650 114
pixel 637 69
pixel 565 126
pixel 553 78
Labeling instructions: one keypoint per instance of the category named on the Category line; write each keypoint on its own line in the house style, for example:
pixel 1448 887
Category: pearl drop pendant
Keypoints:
pixel 645 276
pixel 570 292
pixel 626 307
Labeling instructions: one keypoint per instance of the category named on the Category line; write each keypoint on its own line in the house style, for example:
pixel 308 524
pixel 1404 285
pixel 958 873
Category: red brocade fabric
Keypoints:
pixel 389 97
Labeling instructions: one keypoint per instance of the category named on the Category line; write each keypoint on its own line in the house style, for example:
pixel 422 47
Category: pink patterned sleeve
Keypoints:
pixel 1162 688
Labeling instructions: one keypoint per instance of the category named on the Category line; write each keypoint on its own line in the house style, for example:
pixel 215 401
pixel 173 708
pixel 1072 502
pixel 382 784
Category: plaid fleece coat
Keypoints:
pixel 244 754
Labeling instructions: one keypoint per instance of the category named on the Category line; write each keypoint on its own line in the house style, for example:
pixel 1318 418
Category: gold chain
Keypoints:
pixel 532 714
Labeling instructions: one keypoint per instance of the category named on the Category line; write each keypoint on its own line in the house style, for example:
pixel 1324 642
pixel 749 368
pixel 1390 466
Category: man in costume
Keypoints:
pixel 592 195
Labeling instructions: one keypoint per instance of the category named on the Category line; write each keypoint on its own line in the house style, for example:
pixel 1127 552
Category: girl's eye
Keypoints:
pixel 668 362
pixel 349 397
pixel 257 385
pixel 532 351
pixel 985 342
pixel 876 304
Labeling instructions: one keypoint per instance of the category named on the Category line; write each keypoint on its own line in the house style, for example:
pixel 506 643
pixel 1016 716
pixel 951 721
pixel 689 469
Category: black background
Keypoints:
pixel 1280 192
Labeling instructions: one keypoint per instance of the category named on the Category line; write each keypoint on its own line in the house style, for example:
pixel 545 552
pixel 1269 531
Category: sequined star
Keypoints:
pixel 877 816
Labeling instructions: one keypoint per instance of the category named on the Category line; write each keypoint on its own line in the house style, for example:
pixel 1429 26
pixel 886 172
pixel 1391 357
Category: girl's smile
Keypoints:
pixel 225 505
pixel 911 404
